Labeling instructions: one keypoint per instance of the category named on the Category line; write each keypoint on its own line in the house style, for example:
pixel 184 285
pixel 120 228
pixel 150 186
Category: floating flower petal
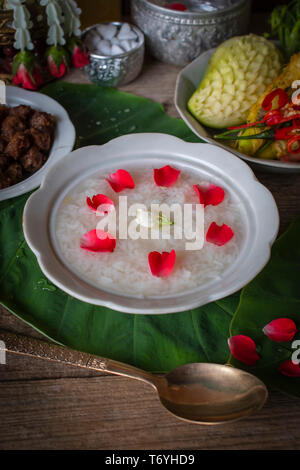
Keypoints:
pixel 290 369
pixel 120 180
pixel 219 234
pixel 281 329
pixel 209 194
pixel 100 200
pixel 98 241
pixel 161 264
pixel 243 349
pixel 177 6
pixel 165 176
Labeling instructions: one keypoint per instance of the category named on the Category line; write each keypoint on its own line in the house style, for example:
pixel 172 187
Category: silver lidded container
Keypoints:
pixel 178 37
pixel 115 70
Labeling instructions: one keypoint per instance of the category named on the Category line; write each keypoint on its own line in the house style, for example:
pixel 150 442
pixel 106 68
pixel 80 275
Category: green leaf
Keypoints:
pixel 274 293
pixel 153 342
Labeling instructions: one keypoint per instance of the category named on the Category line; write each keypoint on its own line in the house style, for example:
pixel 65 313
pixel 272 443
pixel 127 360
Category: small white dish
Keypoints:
pixel 258 208
pixel 63 142
pixel 188 81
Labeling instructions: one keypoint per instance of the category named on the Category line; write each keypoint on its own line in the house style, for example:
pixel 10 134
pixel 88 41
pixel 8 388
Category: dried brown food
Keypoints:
pixel 3 111
pixel 14 172
pixel 11 125
pixel 4 161
pixel 41 139
pixel 33 160
pixel 18 145
pixel 22 111
pixel 26 136
pixel 43 121
pixel 3 144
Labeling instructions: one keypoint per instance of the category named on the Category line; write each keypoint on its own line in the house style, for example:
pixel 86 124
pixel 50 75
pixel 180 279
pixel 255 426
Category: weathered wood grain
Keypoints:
pixel 117 413
pixel 54 406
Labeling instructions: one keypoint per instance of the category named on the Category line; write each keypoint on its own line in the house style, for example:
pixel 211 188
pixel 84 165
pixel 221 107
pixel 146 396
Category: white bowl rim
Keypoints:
pixel 274 164
pixel 63 142
pixel 263 217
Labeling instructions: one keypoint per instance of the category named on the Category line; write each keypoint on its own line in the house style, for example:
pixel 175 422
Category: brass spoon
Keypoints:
pixel 199 392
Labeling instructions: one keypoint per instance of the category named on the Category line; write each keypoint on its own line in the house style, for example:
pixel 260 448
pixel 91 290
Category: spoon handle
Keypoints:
pixel 20 344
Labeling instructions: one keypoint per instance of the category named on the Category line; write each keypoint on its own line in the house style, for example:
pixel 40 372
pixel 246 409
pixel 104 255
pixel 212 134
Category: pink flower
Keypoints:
pixel 161 264
pixel 219 234
pixel 243 349
pixel 281 329
pixel 165 176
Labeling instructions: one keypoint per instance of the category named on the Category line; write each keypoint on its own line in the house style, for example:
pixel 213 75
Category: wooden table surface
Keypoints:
pixel 51 406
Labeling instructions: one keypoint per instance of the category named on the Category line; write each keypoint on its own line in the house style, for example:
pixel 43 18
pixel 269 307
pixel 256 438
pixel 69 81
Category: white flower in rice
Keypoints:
pixel 152 219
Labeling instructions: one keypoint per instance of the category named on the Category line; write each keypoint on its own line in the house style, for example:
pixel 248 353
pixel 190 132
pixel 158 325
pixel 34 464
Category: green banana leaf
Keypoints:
pixel 153 342
pixel 274 293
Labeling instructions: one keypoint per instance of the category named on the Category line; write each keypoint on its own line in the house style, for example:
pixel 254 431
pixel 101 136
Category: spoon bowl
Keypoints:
pixel 211 393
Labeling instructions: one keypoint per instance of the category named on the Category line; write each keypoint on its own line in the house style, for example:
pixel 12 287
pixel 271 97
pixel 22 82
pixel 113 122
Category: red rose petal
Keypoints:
pixel 161 264
pixel 290 369
pixel 100 200
pixel 209 194
pixel 98 241
pixel 177 6
pixel 243 349
pixel 281 329
pixel 120 180
pixel 219 234
pixel 165 176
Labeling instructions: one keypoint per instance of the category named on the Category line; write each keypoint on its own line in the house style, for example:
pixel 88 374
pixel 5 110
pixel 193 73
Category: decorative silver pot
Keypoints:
pixel 177 37
pixel 116 70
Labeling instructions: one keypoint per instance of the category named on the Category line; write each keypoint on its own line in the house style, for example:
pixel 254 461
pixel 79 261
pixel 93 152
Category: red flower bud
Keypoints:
pixel 281 329
pixel 79 53
pixel 80 57
pixel 243 349
pixel 57 61
pixel 55 71
pixel 26 70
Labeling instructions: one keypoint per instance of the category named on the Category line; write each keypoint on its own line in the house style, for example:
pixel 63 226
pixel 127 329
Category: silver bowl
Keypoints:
pixel 119 69
pixel 177 37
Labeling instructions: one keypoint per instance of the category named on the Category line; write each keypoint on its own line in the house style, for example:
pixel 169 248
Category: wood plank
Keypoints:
pixel 118 413
pixel 55 406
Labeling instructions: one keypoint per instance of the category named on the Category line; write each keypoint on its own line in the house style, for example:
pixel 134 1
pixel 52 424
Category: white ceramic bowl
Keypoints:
pixel 188 81
pixel 257 205
pixel 63 140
